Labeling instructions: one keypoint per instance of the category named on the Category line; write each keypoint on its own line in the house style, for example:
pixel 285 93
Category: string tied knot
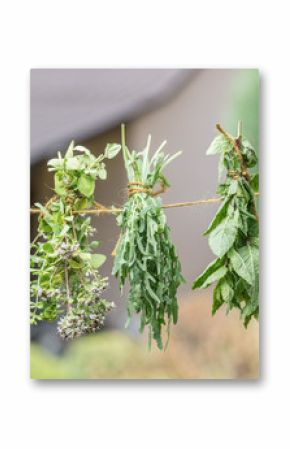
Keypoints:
pixel 140 187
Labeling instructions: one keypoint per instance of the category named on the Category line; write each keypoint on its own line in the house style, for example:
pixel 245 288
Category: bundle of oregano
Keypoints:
pixel 234 231
pixel 65 279
pixel 145 253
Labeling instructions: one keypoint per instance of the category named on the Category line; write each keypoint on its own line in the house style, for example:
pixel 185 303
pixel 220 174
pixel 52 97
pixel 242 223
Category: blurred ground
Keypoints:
pixel 203 347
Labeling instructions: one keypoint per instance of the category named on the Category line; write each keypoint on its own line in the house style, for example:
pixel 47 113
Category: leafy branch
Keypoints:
pixel 234 231
pixel 145 254
pixel 65 279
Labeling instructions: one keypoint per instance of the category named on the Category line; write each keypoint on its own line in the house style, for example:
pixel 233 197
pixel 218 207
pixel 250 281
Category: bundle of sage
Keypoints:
pixel 65 277
pixel 145 253
pixel 234 231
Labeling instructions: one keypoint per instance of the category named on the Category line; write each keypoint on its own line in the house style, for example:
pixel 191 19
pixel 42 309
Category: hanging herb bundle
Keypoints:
pixel 65 279
pixel 234 231
pixel 145 253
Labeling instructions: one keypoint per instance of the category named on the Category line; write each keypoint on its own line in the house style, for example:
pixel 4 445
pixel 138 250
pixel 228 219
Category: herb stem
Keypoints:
pixel 239 129
pixel 123 138
pixel 235 144
pixel 67 287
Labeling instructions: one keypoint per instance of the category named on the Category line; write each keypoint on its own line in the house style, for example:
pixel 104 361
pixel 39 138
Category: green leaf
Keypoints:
pixel 200 281
pixel 81 203
pixel 255 182
pixel 69 153
pixel 94 244
pixel 86 257
pixel 48 248
pixel 220 215
pixel 226 291
pixel 55 163
pixel 74 264
pixel 223 237
pixel 58 184
pixel 221 168
pixel 74 163
pixel 250 254
pixel 219 145
pixel 214 277
pixel 217 298
pixel 97 260
pixel 86 185
pixel 102 173
pixel 83 150
pixel 242 263
pixel 233 187
pixel 111 150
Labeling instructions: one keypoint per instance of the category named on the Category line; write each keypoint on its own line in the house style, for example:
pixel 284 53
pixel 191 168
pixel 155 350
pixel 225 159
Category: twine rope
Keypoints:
pixel 142 188
pixel 235 174
pixel 100 209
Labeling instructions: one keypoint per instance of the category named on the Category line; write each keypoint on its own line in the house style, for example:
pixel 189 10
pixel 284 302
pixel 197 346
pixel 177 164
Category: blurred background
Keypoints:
pixel 181 106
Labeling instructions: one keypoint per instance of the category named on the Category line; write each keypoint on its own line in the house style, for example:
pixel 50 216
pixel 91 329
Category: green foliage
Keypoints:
pixel 65 280
pixel 145 254
pixel 234 233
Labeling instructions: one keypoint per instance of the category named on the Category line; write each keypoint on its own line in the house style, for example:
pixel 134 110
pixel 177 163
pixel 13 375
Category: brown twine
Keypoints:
pixel 143 189
pixel 112 210
pixel 100 209
pixel 235 174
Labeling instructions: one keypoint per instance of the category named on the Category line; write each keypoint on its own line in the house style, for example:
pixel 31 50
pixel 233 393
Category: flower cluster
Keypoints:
pixel 84 320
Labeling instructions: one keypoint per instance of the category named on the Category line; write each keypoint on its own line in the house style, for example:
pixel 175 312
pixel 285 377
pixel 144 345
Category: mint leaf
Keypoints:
pixel 234 230
pixel 220 215
pixel 201 280
pixel 219 145
pixel 241 265
pixel 222 237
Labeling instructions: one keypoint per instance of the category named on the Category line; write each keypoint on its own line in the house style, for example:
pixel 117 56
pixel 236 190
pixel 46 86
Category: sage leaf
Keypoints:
pixel 145 254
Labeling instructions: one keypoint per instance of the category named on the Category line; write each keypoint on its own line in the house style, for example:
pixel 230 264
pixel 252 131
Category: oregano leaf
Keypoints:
pixel 86 185
pixel 111 150
pixel 65 281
